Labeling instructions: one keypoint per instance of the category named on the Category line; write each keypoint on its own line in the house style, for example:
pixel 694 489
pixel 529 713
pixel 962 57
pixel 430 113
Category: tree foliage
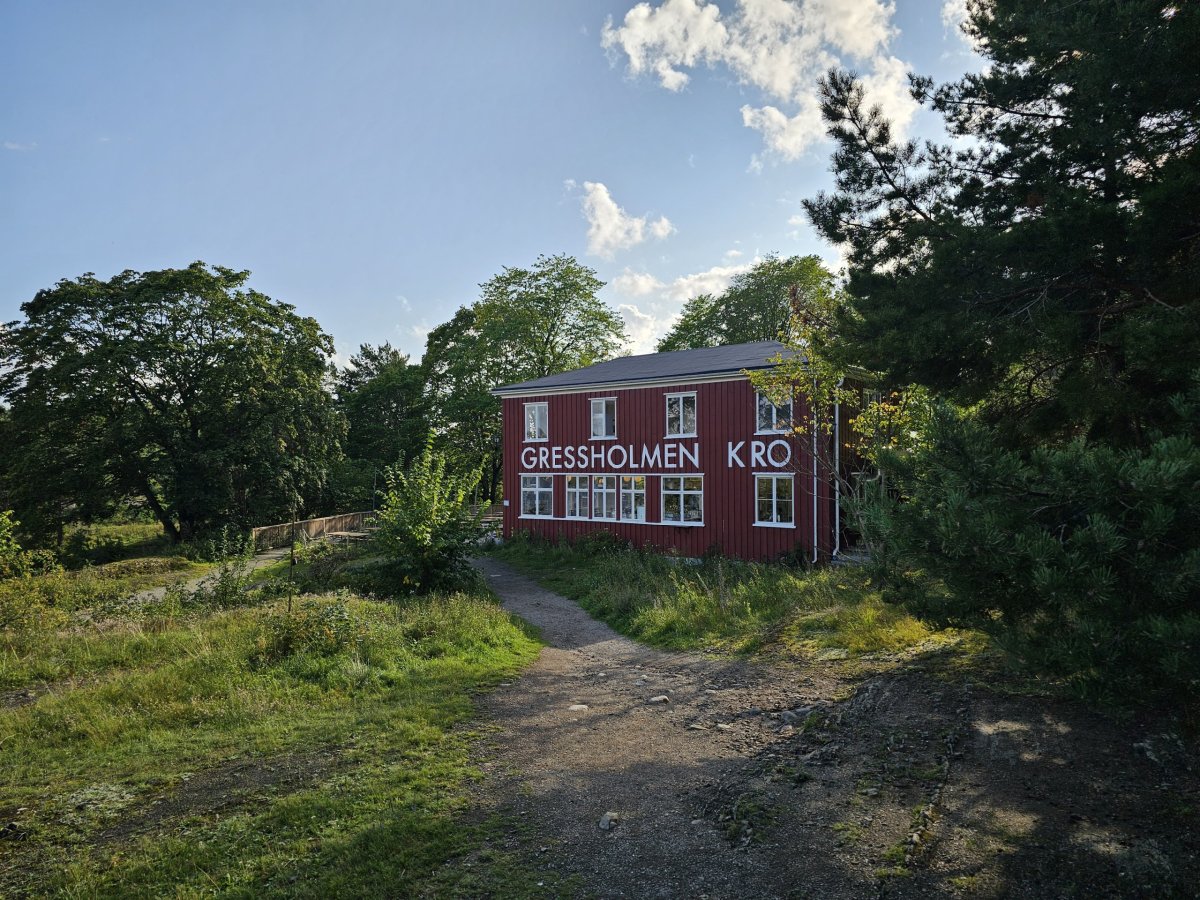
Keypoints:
pixel 381 393
pixel 1037 278
pixel 426 526
pixel 757 305
pixel 179 386
pixel 527 323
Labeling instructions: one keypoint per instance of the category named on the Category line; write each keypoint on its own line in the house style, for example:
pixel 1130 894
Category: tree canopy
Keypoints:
pixel 1036 282
pixel 527 323
pixel 1041 264
pixel 757 305
pixel 178 386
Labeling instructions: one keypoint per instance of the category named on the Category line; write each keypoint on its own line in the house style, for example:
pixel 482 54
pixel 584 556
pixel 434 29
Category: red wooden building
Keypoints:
pixel 671 450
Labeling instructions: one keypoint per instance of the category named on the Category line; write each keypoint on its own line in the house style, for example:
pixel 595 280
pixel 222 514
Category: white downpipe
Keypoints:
pixel 813 415
pixel 837 473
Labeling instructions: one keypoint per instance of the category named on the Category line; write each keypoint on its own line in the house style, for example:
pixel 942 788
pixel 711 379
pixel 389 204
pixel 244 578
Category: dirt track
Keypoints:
pixel 760 781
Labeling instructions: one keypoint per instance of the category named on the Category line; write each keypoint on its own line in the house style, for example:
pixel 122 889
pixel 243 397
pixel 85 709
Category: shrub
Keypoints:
pixel 426 527
pixel 109 542
pixel 16 562
pixel 227 543
pixel 321 627
pixel 1083 559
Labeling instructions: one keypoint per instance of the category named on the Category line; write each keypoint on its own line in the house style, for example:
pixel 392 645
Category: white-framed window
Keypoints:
pixel 537 496
pixel 773 418
pixel 604 417
pixel 604 496
pixel 681 415
pixel 774 501
pixel 578 492
pixel 683 499
pixel 537 422
pixel 633 498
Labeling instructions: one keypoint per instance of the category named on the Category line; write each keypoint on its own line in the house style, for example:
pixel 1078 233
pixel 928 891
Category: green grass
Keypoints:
pixel 726 604
pixel 152 765
pixel 108 542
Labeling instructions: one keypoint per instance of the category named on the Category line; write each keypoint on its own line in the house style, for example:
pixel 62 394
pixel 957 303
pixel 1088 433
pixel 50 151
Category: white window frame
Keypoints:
pixel 545 407
pixel 632 492
pixel 759 399
pixel 681 396
pixel 604 498
pixel 682 493
pixel 577 493
pixel 775 478
pixel 592 418
pixel 539 490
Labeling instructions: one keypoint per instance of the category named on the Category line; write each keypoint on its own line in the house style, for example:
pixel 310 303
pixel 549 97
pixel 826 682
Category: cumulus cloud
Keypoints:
pixel 610 228
pixel 652 305
pixel 778 46
pixel 636 284
pixel 18 147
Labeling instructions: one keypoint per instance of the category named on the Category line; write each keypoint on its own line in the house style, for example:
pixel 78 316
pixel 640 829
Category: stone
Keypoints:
pixel 578 707
pixel 609 821
pixel 661 698
pixel 724 727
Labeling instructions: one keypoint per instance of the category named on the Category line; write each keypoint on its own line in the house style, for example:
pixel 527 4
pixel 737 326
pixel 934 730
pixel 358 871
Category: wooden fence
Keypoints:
pixel 270 536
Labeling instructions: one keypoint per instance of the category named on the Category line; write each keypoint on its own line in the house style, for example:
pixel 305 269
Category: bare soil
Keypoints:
pixel 765 780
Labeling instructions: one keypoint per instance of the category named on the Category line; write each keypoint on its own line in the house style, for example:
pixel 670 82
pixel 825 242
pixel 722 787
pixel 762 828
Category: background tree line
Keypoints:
pixel 187 396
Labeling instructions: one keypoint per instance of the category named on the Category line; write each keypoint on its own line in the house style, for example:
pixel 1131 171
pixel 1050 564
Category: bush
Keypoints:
pixel 320 627
pixel 1082 559
pixel 16 562
pixel 228 543
pixel 426 527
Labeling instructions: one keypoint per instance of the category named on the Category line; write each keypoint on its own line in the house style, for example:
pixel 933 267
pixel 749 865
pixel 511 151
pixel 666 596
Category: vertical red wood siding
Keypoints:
pixel 726 413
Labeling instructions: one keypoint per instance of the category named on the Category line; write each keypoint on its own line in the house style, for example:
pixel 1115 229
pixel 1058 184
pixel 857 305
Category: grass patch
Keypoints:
pixel 726 604
pixel 250 752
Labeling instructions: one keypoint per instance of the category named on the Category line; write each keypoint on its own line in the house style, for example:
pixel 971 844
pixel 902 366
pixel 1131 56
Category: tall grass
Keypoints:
pixel 723 603
pixel 140 709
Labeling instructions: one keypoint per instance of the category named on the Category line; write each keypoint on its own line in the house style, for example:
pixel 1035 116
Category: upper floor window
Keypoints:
pixel 537 422
pixel 681 415
pixel 774 417
pixel 604 417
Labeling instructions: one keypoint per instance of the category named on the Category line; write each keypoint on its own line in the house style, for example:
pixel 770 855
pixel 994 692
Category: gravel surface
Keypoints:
pixel 630 772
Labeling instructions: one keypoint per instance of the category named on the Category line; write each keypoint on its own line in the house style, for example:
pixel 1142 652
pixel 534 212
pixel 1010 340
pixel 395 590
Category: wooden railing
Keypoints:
pixel 270 536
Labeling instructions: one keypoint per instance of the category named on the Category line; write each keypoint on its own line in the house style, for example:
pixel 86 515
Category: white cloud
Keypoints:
pixel 636 284
pixel 710 281
pixel 644 327
pixel 404 303
pixel 18 147
pixel 733 254
pixel 778 46
pixel 954 14
pixel 610 228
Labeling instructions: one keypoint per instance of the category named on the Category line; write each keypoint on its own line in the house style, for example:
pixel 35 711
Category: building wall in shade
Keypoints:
pixel 727 451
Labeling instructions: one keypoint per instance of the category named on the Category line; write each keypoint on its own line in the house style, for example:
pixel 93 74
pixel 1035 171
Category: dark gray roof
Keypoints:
pixel 659 367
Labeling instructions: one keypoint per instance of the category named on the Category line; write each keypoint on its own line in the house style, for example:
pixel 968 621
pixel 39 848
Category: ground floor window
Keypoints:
pixel 537 495
pixel 683 499
pixel 604 496
pixel 577 496
pixel 773 500
pixel 633 498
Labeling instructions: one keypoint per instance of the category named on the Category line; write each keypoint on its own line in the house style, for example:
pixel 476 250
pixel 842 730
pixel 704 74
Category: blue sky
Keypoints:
pixel 373 162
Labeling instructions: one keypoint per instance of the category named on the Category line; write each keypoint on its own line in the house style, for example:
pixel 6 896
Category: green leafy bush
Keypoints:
pixel 108 542
pixel 320 627
pixel 1083 559
pixel 15 561
pixel 426 527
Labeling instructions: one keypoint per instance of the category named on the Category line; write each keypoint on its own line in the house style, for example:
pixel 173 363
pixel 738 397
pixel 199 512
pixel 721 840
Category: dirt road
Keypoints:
pixel 728 778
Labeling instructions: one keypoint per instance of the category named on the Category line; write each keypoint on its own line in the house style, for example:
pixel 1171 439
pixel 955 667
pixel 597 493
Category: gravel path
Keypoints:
pixel 822 780
pixel 584 733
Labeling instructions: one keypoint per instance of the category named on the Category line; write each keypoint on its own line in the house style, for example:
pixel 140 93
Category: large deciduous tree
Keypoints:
pixel 527 323
pixel 180 386
pixel 1039 278
pixel 757 305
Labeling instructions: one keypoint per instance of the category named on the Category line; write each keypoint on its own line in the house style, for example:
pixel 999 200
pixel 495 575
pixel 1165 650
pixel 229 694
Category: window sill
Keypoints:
pixel 677 437
pixel 605 437
pixel 544 518
pixel 530 440
pixel 767 433
pixel 791 525
pixel 681 524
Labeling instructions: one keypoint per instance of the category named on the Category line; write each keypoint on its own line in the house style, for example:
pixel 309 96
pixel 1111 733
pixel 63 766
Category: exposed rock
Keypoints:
pixel 661 698
pixel 609 821
pixel 578 707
